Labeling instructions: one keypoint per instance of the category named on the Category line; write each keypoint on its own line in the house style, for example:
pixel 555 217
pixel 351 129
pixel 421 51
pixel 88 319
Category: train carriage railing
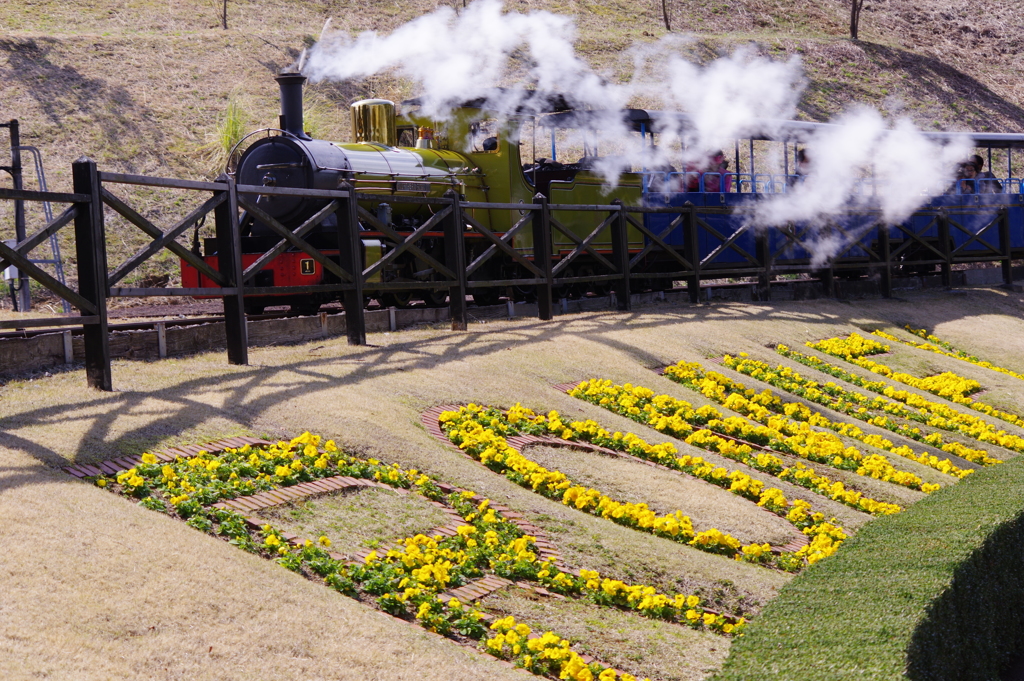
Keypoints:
pixel 686 242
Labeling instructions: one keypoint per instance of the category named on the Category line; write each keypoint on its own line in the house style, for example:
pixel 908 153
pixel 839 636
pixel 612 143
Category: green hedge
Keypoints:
pixel 934 592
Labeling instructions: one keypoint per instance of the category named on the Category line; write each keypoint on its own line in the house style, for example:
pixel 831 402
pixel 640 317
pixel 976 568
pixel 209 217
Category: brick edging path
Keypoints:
pixel 123 463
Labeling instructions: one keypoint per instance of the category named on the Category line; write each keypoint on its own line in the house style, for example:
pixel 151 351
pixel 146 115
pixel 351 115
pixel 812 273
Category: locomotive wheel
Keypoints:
pixel 307 307
pixel 570 291
pixel 486 296
pixel 598 288
pixel 254 308
pixel 524 294
pixel 399 299
pixel 435 298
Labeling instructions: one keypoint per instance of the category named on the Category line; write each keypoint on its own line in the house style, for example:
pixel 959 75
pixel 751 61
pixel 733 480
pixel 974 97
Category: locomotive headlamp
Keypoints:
pixel 373 120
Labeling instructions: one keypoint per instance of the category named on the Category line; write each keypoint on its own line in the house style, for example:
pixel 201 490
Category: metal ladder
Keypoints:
pixel 15 170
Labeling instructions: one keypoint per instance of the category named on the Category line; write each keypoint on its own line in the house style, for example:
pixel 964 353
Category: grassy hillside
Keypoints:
pixel 132 594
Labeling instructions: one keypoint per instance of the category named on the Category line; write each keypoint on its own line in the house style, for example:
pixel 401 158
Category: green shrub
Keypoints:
pixel 930 593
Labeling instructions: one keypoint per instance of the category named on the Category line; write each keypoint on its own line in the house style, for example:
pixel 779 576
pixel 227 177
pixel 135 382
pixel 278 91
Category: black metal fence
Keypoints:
pixel 697 257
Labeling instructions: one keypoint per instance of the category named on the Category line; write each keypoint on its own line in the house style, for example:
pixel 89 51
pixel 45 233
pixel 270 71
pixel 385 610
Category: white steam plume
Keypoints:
pixel 908 168
pixel 453 58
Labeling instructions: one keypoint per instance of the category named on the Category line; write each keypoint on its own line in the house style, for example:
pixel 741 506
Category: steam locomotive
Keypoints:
pixel 480 160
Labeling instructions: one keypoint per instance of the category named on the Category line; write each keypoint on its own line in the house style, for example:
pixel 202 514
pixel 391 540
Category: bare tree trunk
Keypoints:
pixel 664 14
pixel 224 16
pixel 855 7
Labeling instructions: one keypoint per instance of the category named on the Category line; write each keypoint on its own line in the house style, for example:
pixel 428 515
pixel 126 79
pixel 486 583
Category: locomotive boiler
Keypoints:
pixel 394 156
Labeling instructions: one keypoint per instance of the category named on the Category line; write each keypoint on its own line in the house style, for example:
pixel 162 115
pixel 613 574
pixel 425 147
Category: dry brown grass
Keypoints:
pixel 89 572
pixel 707 505
pixel 358 519
pixel 628 642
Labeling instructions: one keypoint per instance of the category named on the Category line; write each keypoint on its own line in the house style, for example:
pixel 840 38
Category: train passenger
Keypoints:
pixel 987 182
pixel 715 177
pixel 714 173
pixel 966 178
pixel 802 169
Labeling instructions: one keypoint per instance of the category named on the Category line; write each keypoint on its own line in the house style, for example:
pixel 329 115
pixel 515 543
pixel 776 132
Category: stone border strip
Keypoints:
pixel 123 463
pixel 476 589
pixel 485 586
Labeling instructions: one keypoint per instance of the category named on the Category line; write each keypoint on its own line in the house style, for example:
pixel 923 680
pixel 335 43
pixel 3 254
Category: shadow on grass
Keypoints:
pixel 973 630
pixel 249 392
pixel 929 80
pixel 63 92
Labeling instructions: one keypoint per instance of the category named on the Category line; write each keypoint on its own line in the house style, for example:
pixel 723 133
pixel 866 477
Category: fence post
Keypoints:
pixel 620 256
pixel 229 263
pixel 24 285
pixel 691 251
pixel 883 243
pixel 455 259
pixel 351 260
pixel 542 255
pixel 763 255
pixel 91 251
pixel 944 246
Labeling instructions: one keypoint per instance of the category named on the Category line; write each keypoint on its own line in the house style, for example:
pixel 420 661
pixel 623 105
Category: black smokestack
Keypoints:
pixel 291 103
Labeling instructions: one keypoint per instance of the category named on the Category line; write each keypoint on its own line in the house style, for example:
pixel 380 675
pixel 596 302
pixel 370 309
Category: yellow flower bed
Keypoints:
pixel 860 406
pixel 795 419
pixel 855 347
pixel 547 655
pixel 948 385
pixel 481 433
pixel 408 580
pixel 790 425
pixel 941 347
pixel 678 418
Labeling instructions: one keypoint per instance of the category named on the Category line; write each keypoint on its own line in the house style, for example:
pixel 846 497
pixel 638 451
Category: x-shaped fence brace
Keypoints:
pixel 407 243
pixel 162 239
pixel 583 245
pixel 976 236
pixel 658 241
pixel 853 238
pixel 293 238
pixel 18 254
pixel 728 243
pixel 501 243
